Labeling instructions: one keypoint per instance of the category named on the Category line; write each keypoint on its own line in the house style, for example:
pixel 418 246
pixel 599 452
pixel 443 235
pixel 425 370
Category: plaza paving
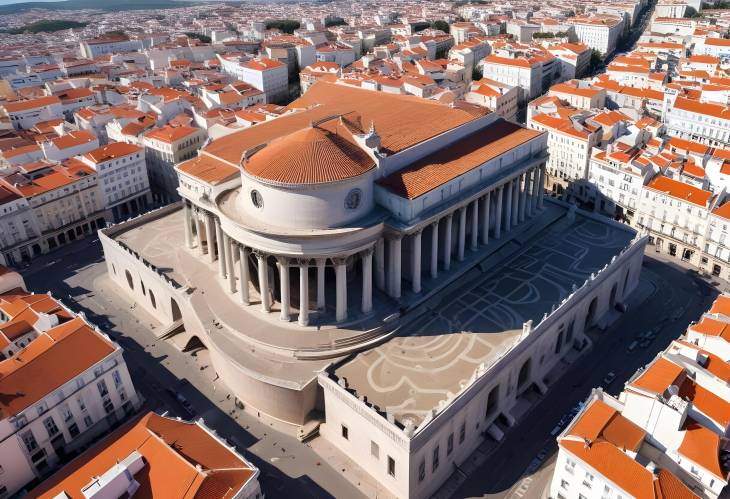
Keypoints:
pixel 410 374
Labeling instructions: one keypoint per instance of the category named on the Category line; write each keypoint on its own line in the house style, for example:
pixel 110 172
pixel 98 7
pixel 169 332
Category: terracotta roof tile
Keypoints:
pixel 458 158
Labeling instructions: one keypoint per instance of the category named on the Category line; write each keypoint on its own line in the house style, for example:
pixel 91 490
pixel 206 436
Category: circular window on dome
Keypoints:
pixel 257 199
pixel 352 201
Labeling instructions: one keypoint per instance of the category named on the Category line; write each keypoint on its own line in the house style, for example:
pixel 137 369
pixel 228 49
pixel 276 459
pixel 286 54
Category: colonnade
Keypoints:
pixel 492 214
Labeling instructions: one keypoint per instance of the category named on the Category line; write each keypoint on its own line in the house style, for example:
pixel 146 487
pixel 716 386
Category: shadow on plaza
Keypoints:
pixel 159 388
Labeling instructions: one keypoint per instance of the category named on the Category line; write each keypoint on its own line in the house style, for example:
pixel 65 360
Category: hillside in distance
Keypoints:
pixel 91 4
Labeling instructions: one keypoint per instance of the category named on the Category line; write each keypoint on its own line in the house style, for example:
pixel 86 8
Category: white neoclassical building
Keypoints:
pixel 340 225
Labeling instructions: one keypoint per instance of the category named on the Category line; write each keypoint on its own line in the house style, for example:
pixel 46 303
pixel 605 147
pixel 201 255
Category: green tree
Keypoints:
pixel 46 26
pixel 283 25
pixel 596 59
pixel 442 25
pixel 334 21
pixel 420 26
pixel 477 73
pixel 203 38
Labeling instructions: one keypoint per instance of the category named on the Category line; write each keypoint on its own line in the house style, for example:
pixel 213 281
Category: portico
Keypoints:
pixel 404 256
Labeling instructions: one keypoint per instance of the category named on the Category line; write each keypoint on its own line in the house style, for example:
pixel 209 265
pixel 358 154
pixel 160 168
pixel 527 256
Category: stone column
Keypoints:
pixel 416 263
pixel 515 201
pixel 523 196
pixel 209 231
pixel 462 234
pixel 229 264
pixel 283 264
pixel 394 272
pixel 303 292
pixel 221 248
pixel 541 187
pixel 447 242
pixel 367 281
pixel 434 250
pixel 188 226
pixel 474 224
pixel 380 264
pixel 508 206
pixel 535 190
pixel 528 193
pixel 498 213
pixel 264 282
pixel 485 219
pixel 243 263
pixel 341 276
pixel 199 231
pixel 321 262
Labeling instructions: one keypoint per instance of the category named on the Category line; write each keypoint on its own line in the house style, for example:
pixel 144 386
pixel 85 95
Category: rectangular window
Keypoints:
pixel 450 444
pixel 108 406
pixel 117 379
pixel 73 430
pixel 29 441
pixel 50 425
pixel 435 461
pixel 462 432
pixel 87 421
pixel 374 450
pixel 422 470
pixel 103 390
pixel 391 466
pixel 345 432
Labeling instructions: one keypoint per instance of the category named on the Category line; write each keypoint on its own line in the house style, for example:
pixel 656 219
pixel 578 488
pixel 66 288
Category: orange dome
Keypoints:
pixel 311 155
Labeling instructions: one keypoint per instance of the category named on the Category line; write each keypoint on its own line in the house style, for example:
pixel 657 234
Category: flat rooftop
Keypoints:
pixel 410 374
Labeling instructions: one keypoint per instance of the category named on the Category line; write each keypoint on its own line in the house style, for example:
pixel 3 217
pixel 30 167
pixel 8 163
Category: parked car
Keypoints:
pixel 609 378
pixel 632 346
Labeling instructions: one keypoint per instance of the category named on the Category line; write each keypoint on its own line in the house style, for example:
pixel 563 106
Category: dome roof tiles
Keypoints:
pixel 312 155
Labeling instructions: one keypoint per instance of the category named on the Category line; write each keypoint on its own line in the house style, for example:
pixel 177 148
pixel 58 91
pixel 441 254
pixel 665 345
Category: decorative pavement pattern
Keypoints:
pixel 409 375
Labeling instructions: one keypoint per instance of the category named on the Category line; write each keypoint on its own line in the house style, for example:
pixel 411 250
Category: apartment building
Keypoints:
pixel 574 58
pixel 122 174
pixel 18 228
pixel 65 199
pixel 26 114
pixel 130 459
pixel 500 97
pixel 674 214
pixel 617 179
pixel 95 47
pixel 69 145
pixel 164 148
pixel 579 94
pixel 664 436
pixel 600 455
pixel 267 75
pixel 704 122
pixel 600 32
pixel 531 72
pixel 71 386
pixel 570 142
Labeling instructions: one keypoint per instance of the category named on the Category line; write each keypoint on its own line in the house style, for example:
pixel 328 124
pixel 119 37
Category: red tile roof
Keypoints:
pixel 456 159
pixel 181 460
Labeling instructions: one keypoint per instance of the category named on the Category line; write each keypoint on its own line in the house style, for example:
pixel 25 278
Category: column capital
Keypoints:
pixel 303 262
pixel 368 251
pixel 339 260
pixel 417 232
pixel 321 262
pixel 394 237
pixel 435 223
pixel 258 253
pixel 282 260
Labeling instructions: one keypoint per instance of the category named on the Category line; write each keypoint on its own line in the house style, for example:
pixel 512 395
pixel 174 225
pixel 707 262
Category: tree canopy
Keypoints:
pixel 46 26
pixel 284 25
pixel 442 25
